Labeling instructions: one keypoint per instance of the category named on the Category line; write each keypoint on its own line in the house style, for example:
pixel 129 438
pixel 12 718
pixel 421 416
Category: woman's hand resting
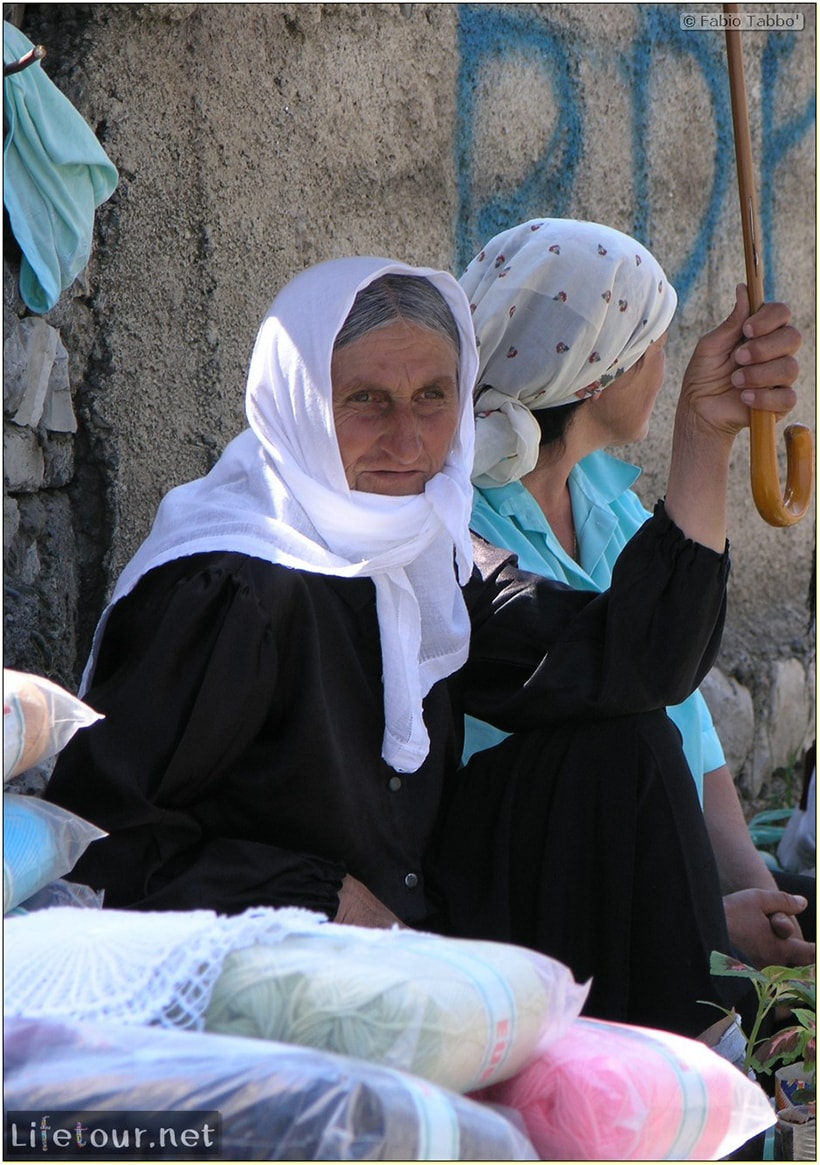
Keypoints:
pixel 358 907
pixel 763 925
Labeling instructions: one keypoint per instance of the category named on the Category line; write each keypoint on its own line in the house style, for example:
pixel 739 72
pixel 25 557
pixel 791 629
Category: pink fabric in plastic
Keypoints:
pixel 612 1092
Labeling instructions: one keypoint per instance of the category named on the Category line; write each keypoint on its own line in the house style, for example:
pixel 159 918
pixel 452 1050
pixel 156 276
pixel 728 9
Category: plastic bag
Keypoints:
pixel 797 851
pixel 39 719
pixel 460 1013
pixel 277 1102
pixel 612 1092
pixel 41 842
pixel 62 893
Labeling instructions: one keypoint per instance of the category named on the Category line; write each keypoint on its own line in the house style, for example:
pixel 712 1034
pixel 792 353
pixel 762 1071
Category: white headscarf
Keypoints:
pixel 279 493
pixel 560 309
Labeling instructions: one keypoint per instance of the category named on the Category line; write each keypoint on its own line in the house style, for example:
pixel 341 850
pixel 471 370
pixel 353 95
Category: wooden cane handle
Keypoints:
pixel 776 508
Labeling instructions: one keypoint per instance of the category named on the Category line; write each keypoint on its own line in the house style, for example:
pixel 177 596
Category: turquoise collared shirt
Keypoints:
pixel 606 513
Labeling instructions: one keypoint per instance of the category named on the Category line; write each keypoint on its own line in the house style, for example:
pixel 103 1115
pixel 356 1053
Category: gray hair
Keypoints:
pixel 399 297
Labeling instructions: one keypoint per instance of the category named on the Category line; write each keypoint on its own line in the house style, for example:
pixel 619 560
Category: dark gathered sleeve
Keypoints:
pixel 188 677
pixel 542 652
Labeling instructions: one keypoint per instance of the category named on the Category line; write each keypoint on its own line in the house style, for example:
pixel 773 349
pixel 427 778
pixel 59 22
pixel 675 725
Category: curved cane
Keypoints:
pixel 789 508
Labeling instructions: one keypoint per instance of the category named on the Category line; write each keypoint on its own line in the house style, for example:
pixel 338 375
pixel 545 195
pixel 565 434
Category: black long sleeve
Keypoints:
pixel 542 652
pixel 239 762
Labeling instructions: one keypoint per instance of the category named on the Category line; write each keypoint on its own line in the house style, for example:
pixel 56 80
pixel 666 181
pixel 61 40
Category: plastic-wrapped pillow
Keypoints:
pixel 62 893
pixel 457 1012
pixel 41 842
pixel 39 719
pixel 611 1092
pixel 276 1102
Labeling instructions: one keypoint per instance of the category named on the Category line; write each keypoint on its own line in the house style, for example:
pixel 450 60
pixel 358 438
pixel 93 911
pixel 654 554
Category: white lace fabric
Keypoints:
pixel 135 967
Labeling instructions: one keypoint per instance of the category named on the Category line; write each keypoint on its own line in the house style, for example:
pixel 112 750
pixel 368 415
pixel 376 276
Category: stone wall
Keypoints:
pixel 55 515
pixel 255 139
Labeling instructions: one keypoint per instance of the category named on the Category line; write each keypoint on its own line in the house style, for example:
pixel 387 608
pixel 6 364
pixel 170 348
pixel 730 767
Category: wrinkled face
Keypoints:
pixel 395 406
pixel 625 407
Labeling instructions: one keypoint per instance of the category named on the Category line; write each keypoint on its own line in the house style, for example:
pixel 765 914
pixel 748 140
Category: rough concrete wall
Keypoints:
pixel 255 139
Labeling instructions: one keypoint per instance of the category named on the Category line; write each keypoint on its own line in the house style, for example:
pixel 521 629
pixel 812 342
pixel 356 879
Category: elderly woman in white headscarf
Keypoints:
pixel 571 321
pixel 286 663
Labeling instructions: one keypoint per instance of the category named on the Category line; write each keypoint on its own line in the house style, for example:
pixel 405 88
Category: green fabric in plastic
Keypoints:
pixel 55 175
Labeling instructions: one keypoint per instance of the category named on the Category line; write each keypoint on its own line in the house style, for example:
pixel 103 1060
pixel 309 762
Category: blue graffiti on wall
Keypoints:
pixel 660 27
pixel 490 34
pixel 493 34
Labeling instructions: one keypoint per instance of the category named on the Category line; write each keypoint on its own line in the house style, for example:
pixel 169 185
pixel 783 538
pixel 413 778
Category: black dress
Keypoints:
pixel 239 762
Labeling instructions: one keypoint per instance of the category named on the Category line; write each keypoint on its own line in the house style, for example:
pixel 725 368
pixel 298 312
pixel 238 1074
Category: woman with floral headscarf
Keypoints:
pixel 286 662
pixel 571 321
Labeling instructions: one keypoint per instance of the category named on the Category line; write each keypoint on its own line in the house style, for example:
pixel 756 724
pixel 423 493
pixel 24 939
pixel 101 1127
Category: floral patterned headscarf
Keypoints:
pixel 560 309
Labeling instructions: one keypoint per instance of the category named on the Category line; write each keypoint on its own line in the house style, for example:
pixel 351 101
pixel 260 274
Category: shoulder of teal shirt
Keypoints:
pixel 509 516
pixel 606 513
pixel 601 485
pixel 607 481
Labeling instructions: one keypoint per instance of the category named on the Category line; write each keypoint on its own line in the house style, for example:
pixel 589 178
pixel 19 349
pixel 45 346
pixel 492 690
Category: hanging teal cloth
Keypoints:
pixel 55 174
